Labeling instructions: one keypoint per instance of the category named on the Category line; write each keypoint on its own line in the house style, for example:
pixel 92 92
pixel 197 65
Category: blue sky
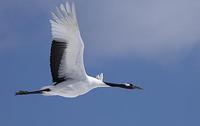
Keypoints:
pixel 153 43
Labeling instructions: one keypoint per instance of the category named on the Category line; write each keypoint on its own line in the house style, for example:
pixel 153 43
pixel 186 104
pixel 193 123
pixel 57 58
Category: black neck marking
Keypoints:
pixel 126 86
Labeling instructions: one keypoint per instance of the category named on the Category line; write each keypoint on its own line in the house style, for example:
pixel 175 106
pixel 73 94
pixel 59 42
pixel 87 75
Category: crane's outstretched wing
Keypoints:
pixel 67 48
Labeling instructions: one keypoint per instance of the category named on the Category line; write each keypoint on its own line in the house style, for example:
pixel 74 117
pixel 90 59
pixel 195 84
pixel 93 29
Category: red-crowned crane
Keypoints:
pixel 66 61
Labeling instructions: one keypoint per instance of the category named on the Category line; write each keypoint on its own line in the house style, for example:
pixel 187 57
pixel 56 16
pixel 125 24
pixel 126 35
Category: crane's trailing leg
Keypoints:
pixel 31 92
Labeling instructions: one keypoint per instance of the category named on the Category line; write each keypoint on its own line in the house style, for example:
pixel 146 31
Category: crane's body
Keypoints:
pixel 66 61
pixel 73 88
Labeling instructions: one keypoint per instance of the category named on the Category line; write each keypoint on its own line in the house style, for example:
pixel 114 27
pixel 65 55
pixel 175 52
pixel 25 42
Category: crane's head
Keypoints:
pixel 124 85
pixel 132 86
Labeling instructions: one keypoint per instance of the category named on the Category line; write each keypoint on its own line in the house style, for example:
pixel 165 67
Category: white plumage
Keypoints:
pixel 64 28
pixel 66 61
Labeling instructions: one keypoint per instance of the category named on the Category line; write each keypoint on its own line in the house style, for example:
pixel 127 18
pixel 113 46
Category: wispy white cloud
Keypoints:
pixel 23 21
pixel 155 30
pixel 151 30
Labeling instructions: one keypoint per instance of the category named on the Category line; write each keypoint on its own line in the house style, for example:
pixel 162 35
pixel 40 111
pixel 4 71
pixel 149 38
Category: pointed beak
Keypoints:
pixel 137 87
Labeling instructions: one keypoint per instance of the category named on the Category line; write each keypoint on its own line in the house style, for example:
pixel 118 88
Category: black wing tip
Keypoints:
pixel 57 52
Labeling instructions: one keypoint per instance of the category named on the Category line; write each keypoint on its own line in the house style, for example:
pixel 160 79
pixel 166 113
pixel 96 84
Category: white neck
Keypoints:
pixel 96 82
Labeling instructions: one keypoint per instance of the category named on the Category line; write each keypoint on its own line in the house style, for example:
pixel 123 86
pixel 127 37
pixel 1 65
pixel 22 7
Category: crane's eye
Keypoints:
pixel 128 85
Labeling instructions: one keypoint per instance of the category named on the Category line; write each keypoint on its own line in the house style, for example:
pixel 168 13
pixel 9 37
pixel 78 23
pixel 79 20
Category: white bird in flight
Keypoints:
pixel 66 61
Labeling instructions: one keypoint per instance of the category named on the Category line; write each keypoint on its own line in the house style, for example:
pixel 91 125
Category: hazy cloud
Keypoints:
pixel 158 30
pixel 153 30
